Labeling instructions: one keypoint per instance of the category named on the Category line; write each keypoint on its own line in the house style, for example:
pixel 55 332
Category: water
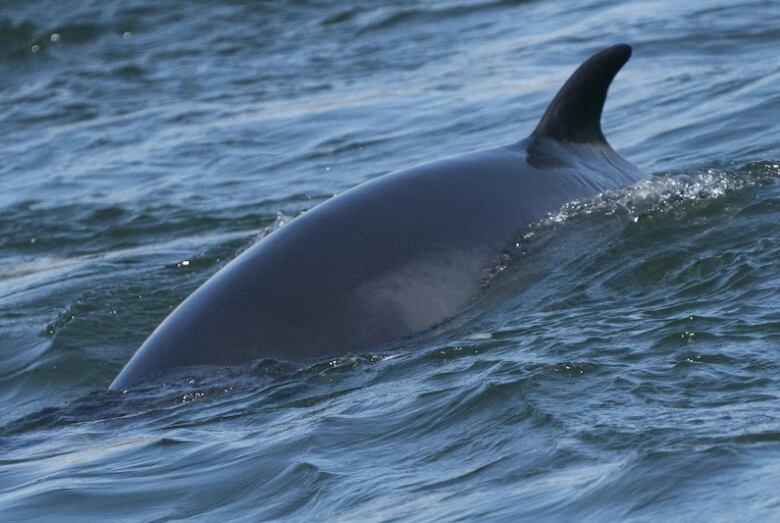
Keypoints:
pixel 623 366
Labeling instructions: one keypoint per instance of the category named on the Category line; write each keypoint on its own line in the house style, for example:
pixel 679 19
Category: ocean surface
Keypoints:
pixel 625 366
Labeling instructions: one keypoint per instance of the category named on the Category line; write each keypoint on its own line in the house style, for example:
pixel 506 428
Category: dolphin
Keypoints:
pixel 396 255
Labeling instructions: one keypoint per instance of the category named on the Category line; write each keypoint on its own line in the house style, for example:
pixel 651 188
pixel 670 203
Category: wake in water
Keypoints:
pixel 671 193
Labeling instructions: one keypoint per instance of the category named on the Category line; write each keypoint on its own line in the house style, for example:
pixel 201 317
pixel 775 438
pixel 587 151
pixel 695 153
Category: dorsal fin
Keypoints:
pixel 575 113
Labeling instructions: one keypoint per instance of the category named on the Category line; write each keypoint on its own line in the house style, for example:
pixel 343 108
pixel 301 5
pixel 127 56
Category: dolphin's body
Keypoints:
pixel 397 255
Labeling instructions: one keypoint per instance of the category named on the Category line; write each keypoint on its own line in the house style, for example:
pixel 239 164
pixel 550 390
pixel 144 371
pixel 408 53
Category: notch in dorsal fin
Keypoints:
pixel 575 113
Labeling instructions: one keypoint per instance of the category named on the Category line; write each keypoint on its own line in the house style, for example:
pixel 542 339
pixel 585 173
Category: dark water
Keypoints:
pixel 624 367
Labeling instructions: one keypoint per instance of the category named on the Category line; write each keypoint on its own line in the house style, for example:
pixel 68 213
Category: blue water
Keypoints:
pixel 624 368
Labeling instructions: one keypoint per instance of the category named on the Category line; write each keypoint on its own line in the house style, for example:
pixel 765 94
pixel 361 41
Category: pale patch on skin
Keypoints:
pixel 423 292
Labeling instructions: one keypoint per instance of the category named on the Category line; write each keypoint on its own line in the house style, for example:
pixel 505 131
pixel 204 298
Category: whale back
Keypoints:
pixel 394 256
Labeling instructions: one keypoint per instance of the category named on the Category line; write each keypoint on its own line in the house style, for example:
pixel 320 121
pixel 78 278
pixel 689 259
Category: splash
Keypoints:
pixel 666 193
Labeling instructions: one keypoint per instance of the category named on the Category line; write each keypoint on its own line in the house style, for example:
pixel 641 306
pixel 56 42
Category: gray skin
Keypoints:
pixel 397 255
